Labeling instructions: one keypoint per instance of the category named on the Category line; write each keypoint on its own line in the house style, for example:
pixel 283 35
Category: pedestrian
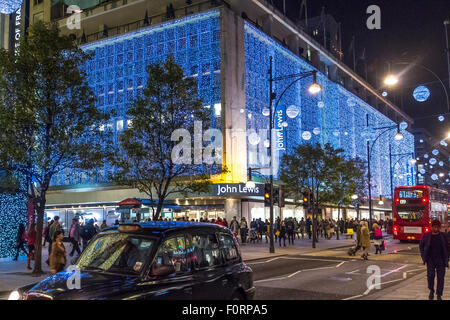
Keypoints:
pixel 87 233
pixel 31 242
pixel 116 223
pixel 58 255
pixel 290 230
pixel 364 240
pixel 104 225
pixel 74 237
pixel 219 221
pixel 309 227
pixel 225 222
pixel 45 231
pixel 377 238
pixel 282 234
pixel 243 227
pixel 234 226
pixel 55 226
pixel 296 227
pixel 301 227
pixel 434 252
pixel 276 227
pixel 21 239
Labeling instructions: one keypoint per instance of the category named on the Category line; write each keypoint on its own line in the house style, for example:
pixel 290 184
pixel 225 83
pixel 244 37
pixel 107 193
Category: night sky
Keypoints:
pixel 413 31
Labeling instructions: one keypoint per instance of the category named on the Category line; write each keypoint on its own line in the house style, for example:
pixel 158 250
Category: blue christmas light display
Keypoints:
pixel 340 120
pixel 117 71
pixel 9 6
pixel 421 93
pixel 13 211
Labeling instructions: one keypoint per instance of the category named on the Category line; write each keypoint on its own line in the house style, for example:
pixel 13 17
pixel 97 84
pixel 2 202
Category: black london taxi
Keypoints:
pixel 152 260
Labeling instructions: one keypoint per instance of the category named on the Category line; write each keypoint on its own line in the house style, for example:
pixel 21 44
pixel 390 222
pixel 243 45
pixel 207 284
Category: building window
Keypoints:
pixel 119 126
pixel 38 17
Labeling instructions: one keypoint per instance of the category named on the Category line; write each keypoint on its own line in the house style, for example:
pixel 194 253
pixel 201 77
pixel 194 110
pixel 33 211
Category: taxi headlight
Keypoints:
pixel 15 295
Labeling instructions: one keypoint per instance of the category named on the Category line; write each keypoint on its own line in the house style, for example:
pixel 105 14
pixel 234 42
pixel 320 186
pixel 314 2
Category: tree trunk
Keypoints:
pixel 40 210
pixel 159 208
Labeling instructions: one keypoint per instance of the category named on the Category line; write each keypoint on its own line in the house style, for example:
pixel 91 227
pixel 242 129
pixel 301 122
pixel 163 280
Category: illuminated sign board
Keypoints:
pixel 237 189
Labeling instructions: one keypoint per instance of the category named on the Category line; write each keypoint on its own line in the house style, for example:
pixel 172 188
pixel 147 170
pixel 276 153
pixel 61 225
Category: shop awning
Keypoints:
pixel 129 202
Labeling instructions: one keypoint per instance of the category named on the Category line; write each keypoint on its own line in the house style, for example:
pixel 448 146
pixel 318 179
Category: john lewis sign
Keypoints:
pixel 237 189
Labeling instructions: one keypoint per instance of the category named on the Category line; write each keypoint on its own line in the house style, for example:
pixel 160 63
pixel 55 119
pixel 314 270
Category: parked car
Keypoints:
pixel 153 260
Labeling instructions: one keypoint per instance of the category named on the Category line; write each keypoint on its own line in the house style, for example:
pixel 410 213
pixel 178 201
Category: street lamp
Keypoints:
pixel 401 155
pixel 313 89
pixel 398 137
pixel 392 80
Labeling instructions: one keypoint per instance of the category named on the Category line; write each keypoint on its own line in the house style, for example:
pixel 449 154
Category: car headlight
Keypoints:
pixel 15 295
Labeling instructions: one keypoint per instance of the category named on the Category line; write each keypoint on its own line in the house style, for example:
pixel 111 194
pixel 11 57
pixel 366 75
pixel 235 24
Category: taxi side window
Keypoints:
pixel 228 247
pixel 203 251
pixel 172 252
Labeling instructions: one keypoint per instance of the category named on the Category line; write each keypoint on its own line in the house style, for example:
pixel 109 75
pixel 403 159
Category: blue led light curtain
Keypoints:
pixel 333 116
pixel 117 72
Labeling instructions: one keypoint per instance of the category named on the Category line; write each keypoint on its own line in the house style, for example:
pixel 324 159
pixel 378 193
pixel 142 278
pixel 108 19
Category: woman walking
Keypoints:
pixel 31 242
pixel 20 241
pixel 58 255
pixel 365 240
pixel 378 238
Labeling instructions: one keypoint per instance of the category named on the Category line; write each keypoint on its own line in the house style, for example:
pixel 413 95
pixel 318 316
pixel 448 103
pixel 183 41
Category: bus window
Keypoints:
pixel 410 214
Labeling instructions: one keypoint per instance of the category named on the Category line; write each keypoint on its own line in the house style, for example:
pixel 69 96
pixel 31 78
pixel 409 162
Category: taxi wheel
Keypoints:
pixel 237 295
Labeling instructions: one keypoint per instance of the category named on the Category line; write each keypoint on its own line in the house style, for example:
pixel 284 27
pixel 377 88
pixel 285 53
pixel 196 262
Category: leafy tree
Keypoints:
pixel 346 181
pixel 48 119
pixel 149 157
pixel 319 171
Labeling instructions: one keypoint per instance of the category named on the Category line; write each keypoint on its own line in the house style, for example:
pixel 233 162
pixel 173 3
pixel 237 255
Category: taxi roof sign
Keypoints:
pixel 129 227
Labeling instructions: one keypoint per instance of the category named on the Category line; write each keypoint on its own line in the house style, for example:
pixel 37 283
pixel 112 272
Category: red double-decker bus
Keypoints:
pixel 413 209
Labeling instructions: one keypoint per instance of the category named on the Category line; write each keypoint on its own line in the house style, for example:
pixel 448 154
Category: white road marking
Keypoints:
pixel 354 297
pixel 373 286
pixel 259 262
pixel 392 271
pixel 353 272
pixel 340 264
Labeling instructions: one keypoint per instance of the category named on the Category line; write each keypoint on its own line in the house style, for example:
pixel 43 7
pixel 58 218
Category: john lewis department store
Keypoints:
pixel 229 58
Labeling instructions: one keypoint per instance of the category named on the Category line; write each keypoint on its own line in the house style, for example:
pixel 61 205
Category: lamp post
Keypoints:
pixel 314 88
pixel 397 137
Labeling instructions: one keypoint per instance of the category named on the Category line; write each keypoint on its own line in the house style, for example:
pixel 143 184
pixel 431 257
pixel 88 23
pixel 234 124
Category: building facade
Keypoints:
pixel 226 46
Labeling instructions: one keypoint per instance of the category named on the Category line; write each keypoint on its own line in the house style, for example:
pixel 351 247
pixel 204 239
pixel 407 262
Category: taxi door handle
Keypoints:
pixel 188 290
pixel 224 282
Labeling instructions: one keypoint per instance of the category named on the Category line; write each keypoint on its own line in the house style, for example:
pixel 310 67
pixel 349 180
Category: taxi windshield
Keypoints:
pixel 116 252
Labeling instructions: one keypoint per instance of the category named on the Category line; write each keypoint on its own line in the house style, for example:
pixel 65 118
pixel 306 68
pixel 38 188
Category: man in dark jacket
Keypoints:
pixel 87 233
pixel 434 252
pixel 290 230
pixel 308 227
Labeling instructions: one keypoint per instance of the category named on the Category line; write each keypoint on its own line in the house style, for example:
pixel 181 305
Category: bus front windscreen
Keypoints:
pixel 410 215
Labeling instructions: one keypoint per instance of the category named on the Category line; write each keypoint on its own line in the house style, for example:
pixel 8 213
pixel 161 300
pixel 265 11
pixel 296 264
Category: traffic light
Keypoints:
pixel 276 195
pixel 305 200
pixel 267 195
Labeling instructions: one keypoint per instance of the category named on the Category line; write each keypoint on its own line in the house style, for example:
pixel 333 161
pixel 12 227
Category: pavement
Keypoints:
pixel 415 288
